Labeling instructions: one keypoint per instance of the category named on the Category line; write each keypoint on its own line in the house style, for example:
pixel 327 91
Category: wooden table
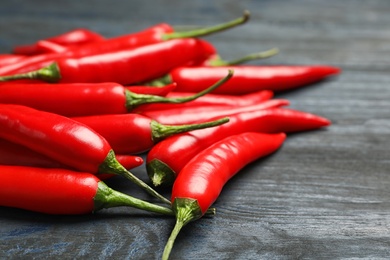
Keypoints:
pixel 324 195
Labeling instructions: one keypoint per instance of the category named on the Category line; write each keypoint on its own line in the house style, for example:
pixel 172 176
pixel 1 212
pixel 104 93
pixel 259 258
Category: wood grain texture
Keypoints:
pixel 324 195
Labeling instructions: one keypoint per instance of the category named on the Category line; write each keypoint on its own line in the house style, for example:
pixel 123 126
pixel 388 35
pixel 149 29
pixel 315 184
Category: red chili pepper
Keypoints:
pixel 155 34
pixel 83 99
pixel 109 45
pixel 50 47
pixel 191 115
pixel 15 154
pixel 64 140
pixel 71 38
pixel 61 191
pixel 202 179
pixel 123 67
pixel 134 133
pixel 209 100
pixel 6 59
pixel 166 159
pixel 248 78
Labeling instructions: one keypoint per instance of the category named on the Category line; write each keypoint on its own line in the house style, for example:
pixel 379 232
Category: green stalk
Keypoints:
pixel 207 30
pixel 111 165
pixel 160 131
pixel 108 198
pixel 50 73
pixel 133 99
pixel 218 61
pixel 186 210
pixel 160 173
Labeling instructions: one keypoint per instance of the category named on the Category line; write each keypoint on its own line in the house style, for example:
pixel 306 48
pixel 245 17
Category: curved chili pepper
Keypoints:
pixel 74 37
pixel 248 78
pixel 134 133
pixel 123 67
pixel 64 140
pixel 190 115
pixel 155 34
pixel 202 179
pixel 61 191
pixel 209 100
pixel 15 154
pixel 166 159
pixel 83 99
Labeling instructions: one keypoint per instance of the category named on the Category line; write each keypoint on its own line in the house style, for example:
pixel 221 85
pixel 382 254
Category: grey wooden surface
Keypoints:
pixel 324 195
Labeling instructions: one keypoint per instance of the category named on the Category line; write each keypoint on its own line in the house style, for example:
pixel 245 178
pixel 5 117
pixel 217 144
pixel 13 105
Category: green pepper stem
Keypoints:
pixel 186 210
pixel 171 240
pixel 250 57
pixel 160 131
pixel 160 173
pixel 111 165
pixel 133 99
pixel 207 30
pixel 50 73
pixel 108 198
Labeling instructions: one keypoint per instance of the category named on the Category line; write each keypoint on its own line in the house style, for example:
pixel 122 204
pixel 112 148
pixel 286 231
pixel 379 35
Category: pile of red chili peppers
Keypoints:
pixel 78 108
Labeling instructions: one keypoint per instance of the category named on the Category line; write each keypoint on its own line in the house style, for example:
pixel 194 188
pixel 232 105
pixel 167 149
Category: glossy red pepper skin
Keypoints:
pixel 50 47
pixel 166 159
pixel 76 99
pixel 67 99
pixel 126 134
pixel 204 176
pixel 64 140
pixel 149 90
pixel 6 59
pixel 62 192
pixel 19 155
pixel 147 36
pixel 134 133
pixel 129 66
pixel 202 179
pixel 74 37
pixel 210 100
pixel 58 137
pixel 144 37
pixel 47 190
pixel 156 34
pixel 191 115
pixel 248 79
